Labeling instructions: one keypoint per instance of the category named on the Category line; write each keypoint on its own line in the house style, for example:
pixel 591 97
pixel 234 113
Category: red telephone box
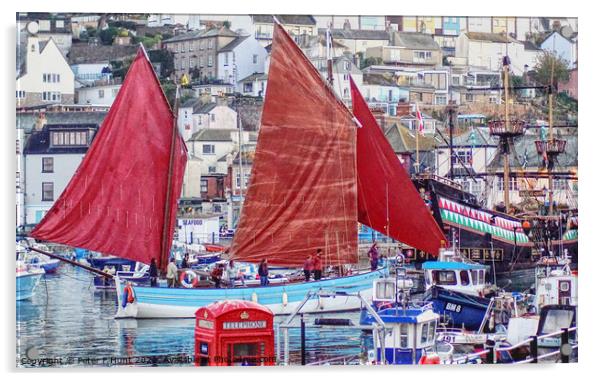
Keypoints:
pixel 234 332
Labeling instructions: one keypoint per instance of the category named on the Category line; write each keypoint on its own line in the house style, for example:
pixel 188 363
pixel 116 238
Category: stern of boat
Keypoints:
pixel 131 309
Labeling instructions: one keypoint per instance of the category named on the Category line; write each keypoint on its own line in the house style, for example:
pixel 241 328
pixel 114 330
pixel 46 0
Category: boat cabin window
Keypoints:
pixel 481 276
pixel 428 333
pixel 444 277
pixel 556 320
pixel 474 274
pixel 464 280
pixel 403 336
pixel 385 290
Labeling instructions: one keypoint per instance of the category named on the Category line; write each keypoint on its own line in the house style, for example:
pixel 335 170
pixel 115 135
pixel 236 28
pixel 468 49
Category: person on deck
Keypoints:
pixel 231 274
pixel 153 273
pixel 263 272
pixel 172 273
pixel 308 266
pixel 184 264
pixel 373 254
pixel 317 265
pixel 216 275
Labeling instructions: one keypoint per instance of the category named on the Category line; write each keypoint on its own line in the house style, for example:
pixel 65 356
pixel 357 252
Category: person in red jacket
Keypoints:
pixel 317 265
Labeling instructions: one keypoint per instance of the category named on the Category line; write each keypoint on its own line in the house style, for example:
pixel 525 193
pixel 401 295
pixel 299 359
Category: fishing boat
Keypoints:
pixel 28 278
pixel 319 169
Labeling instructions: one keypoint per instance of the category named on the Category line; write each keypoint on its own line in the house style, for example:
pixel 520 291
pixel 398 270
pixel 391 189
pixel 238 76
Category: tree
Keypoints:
pixel 107 35
pixel 165 59
pixel 371 61
pixel 543 69
pixel 227 24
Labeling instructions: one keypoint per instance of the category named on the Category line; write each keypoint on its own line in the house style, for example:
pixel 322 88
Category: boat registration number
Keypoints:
pixel 453 307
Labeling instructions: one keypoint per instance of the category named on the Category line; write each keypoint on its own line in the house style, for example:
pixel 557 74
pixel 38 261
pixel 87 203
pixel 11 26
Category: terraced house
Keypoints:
pixel 195 52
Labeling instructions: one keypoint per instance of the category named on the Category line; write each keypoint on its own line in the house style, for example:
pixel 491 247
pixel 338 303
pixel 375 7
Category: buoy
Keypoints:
pixel 184 279
pixel 254 297
pixel 284 299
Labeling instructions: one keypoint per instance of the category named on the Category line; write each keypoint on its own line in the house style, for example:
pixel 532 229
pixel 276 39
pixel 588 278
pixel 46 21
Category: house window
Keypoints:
pixel 513 186
pixel 422 56
pixel 210 61
pixel 204 186
pixel 52 96
pixel 47 164
pixel 346 77
pixel 469 98
pixel 191 63
pixel 248 87
pixel 212 117
pixel 346 93
pixel 101 93
pixel 212 169
pixel 347 65
pixel 20 94
pixel 462 157
pixel 208 149
pixel 210 44
pixel 254 58
pixel 48 191
pixel 226 59
pixel 190 46
pixel 440 100
pixel 60 23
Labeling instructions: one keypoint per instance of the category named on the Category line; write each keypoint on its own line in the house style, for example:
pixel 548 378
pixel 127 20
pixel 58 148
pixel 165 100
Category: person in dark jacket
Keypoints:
pixel 308 266
pixel 263 272
pixel 184 264
pixel 317 265
pixel 153 272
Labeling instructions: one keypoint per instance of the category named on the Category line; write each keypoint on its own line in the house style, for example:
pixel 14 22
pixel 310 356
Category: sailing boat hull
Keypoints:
pixel 161 302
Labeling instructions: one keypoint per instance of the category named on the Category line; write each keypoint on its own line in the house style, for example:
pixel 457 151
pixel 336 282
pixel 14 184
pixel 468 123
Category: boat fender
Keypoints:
pixel 429 360
pixel 184 279
pixel 320 303
pixel 128 295
pixel 254 297
pixel 284 299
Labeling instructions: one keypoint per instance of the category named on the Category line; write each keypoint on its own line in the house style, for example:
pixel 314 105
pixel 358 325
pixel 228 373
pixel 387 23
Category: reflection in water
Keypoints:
pixel 68 320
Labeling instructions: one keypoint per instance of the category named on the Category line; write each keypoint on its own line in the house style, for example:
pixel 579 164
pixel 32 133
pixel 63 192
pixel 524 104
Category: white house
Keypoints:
pixel 486 50
pixel 239 59
pixel 52 156
pixel 194 115
pixel 102 94
pixel 343 68
pixel 91 71
pixel 43 74
pixel 562 47
pixel 57 28
pixel 254 85
pixel 212 146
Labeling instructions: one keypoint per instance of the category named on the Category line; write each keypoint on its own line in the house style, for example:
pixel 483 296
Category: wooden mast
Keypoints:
pixel 166 246
pixel 551 134
pixel 507 125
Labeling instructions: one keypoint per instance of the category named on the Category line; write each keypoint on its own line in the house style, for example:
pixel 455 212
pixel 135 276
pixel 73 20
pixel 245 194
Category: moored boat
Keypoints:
pixel 28 278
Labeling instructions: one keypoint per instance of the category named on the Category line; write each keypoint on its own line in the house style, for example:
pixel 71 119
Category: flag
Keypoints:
pixel 420 120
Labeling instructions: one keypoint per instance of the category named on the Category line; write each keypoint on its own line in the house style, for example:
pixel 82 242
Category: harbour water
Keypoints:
pixel 69 323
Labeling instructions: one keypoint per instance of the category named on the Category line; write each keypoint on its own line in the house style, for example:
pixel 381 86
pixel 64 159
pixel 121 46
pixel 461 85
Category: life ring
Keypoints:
pixel 184 279
pixel 429 360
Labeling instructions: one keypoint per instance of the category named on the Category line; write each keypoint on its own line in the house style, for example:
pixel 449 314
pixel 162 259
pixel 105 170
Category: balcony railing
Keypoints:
pixel 550 147
pixel 513 128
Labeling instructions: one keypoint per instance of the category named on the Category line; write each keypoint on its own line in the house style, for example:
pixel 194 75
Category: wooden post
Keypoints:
pixel 533 349
pixel 565 347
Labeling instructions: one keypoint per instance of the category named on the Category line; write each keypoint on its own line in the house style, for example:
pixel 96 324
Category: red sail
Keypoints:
pixel 302 194
pixel 116 201
pixel 387 200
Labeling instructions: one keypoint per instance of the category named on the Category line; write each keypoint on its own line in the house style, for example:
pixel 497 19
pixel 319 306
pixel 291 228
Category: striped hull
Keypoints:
pixel 161 302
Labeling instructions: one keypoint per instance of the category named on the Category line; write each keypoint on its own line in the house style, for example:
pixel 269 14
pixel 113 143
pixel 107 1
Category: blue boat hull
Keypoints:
pixel 461 310
pixel 282 299
pixel 50 266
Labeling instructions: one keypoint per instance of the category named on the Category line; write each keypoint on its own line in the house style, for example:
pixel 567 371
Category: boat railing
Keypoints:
pixel 339 360
pixel 440 179
pixel 532 342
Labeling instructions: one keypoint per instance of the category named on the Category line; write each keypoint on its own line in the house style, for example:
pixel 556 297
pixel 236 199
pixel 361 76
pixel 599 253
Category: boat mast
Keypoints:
pixel 240 174
pixel 507 125
pixel 329 47
pixel 550 132
pixel 163 259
